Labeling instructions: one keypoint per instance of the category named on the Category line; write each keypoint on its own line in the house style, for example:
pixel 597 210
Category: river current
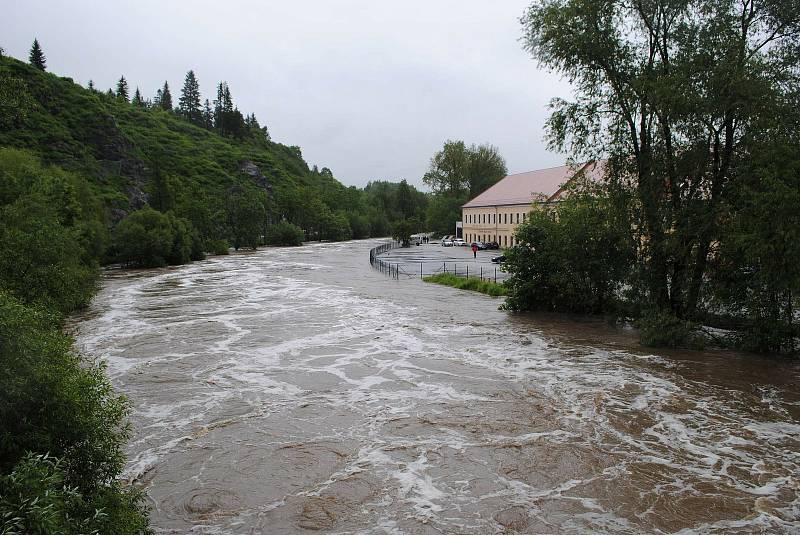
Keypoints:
pixel 298 390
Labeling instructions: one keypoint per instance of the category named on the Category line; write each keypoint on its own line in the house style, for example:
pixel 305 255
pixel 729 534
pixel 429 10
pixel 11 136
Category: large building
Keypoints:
pixel 493 215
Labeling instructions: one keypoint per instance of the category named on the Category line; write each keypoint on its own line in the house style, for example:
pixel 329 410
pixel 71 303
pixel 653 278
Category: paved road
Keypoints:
pixel 434 258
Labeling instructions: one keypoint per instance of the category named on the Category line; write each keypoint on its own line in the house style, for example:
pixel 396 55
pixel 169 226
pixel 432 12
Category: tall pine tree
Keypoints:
pixel 165 101
pixel 36 57
pixel 137 99
pixel 189 103
pixel 208 116
pixel 122 89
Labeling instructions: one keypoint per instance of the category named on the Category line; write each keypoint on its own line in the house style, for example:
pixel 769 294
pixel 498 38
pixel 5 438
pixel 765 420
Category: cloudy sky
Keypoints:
pixel 370 89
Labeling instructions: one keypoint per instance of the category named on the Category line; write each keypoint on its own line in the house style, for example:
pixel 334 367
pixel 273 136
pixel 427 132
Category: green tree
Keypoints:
pixel 122 89
pixel 161 190
pixel 402 229
pixel 457 169
pixel 36 57
pixel 189 105
pixel 574 257
pixel 245 215
pixel 208 116
pixel 145 238
pixel 137 100
pixel 284 233
pixel 63 430
pixel 163 98
pixel 673 92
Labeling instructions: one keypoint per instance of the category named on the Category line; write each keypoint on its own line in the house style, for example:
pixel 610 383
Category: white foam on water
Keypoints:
pixel 270 332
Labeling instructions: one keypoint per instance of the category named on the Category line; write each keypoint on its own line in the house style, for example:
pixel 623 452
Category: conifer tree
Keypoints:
pixel 208 116
pixel 137 99
pixel 36 57
pixel 122 89
pixel 189 103
pixel 165 101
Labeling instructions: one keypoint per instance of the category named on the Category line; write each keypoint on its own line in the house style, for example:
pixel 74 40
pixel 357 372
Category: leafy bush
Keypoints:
pixel 52 402
pixel 145 238
pixel 571 259
pixel 51 234
pixel 218 247
pixel 472 283
pixel 284 233
pixel 658 328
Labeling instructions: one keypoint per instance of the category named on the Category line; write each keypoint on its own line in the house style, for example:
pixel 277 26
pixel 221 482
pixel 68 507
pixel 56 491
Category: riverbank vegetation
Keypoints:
pixel 695 106
pixel 62 425
pixel 468 283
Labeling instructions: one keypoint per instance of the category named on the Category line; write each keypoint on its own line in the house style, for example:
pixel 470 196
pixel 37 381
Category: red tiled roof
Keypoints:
pixel 522 188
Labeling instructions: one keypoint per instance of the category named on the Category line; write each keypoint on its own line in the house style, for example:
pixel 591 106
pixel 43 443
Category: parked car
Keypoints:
pixel 447 241
pixel 459 242
pixel 479 244
pixel 499 259
pixel 493 245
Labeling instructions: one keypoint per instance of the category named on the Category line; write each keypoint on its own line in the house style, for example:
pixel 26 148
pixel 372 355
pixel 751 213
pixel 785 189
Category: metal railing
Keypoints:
pixel 397 270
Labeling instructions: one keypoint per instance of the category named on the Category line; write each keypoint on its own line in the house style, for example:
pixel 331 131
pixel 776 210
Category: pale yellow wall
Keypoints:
pixel 500 223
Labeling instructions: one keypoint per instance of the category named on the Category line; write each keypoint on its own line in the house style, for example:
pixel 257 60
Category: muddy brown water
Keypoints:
pixel 299 391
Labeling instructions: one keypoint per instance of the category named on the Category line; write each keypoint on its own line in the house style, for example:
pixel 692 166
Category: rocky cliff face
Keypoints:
pixel 254 172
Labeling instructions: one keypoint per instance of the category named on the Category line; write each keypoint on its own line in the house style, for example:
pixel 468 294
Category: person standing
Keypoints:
pixel 475 250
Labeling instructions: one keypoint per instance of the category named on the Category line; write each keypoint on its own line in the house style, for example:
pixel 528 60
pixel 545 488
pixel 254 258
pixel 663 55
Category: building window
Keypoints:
pixel 523 217
pixel 517 217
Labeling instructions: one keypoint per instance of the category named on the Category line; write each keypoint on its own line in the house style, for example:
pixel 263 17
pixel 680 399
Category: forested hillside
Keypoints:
pixel 88 178
pixel 211 166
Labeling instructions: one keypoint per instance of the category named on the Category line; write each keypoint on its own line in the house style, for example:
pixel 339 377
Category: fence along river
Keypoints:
pixel 298 390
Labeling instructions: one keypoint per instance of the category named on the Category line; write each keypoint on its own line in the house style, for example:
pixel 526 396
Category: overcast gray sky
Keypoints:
pixel 370 89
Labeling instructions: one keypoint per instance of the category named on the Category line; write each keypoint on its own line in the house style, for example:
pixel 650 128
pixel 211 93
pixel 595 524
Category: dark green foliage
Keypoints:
pixel 144 239
pixel 658 328
pixel 137 99
pixel 189 106
pixel 53 403
pixel 334 226
pixel 456 174
pixel 284 233
pixel 696 104
pixel 50 233
pixel 443 211
pixel 573 257
pixel 163 98
pixel 402 229
pixel 458 169
pixel 246 216
pixel 148 238
pixel 122 89
pixel 15 102
pixel 36 57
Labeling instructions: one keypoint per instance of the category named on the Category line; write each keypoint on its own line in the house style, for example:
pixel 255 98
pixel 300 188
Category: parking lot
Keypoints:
pixel 432 258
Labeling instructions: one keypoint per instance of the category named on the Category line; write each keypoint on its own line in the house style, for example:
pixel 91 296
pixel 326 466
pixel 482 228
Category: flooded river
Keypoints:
pixel 297 391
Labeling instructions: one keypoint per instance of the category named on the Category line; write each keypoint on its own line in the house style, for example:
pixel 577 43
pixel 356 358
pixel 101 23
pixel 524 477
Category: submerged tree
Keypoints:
pixel 675 94
pixel 36 57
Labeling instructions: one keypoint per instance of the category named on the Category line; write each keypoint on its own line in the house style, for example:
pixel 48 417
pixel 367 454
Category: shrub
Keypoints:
pixel 658 328
pixel 144 238
pixel 52 402
pixel 571 259
pixel 284 233
pixel 218 247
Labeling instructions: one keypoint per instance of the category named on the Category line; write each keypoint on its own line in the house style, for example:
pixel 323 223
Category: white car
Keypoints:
pixel 459 242
pixel 447 241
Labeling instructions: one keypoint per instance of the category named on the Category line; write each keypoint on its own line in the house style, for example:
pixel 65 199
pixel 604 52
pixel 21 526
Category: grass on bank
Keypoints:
pixel 473 283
